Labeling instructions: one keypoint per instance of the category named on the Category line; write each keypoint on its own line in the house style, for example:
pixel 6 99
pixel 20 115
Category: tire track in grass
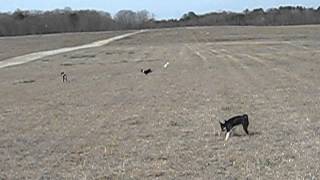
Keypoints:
pixel 233 67
pixel 290 83
pixel 304 85
pixel 197 53
pixel 277 69
pixel 263 63
pixel 304 94
pixel 288 79
pixel 195 49
pixel 261 79
pixel 242 88
pixel 280 102
pixel 297 45
pixel 295 65
pixel 257 77
pixel 234 71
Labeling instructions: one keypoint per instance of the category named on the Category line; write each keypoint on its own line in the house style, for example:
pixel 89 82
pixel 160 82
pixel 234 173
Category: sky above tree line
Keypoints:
pixel 162 9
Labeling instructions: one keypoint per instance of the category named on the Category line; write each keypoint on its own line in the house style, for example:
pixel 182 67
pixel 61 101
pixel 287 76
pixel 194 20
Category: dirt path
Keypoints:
pixel 38 55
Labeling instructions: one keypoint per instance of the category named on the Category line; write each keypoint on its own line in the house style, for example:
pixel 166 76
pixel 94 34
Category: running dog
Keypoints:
pixel 146 71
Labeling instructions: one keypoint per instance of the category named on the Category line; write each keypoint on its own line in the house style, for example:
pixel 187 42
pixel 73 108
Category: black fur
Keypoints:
pixel 146 71
pixel 64 77
pixel 235 121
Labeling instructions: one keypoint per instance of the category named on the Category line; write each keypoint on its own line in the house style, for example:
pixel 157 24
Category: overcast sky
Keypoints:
pixel 163 9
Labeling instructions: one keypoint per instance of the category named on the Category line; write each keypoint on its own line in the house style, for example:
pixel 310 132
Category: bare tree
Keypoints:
pixel 143 17
pixel 132 20
pixel 126 19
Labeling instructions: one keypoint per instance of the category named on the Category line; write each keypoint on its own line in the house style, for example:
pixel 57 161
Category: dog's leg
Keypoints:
pixel 245 128
pixel 227 136
pixel 64 78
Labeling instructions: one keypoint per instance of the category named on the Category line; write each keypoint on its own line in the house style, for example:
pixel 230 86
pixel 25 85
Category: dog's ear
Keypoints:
pixel 222 125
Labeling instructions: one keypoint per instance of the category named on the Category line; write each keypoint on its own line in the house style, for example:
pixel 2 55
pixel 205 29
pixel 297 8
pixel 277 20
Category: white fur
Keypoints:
pixel 227 136
pixel 166 64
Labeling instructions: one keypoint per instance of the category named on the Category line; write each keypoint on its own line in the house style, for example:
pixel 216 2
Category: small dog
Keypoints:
pixel 235 121
pixel 166 65
pixel 64 77
pixel 146 71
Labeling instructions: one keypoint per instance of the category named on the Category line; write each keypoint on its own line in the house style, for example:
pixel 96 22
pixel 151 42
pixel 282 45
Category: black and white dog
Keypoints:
pixel 64 77
pixel 146 71
pixel 235 121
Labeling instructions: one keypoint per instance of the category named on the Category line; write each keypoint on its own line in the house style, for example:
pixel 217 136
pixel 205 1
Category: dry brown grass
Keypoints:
pixel 113 122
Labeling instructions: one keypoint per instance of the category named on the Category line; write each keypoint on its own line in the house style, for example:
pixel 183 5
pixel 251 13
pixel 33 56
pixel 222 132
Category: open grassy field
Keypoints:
pixel 20 45
pixel 110 121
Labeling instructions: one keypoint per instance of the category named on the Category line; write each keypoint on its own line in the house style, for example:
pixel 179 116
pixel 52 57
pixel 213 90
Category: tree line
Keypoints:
pixel 67 20
pixel 284 15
